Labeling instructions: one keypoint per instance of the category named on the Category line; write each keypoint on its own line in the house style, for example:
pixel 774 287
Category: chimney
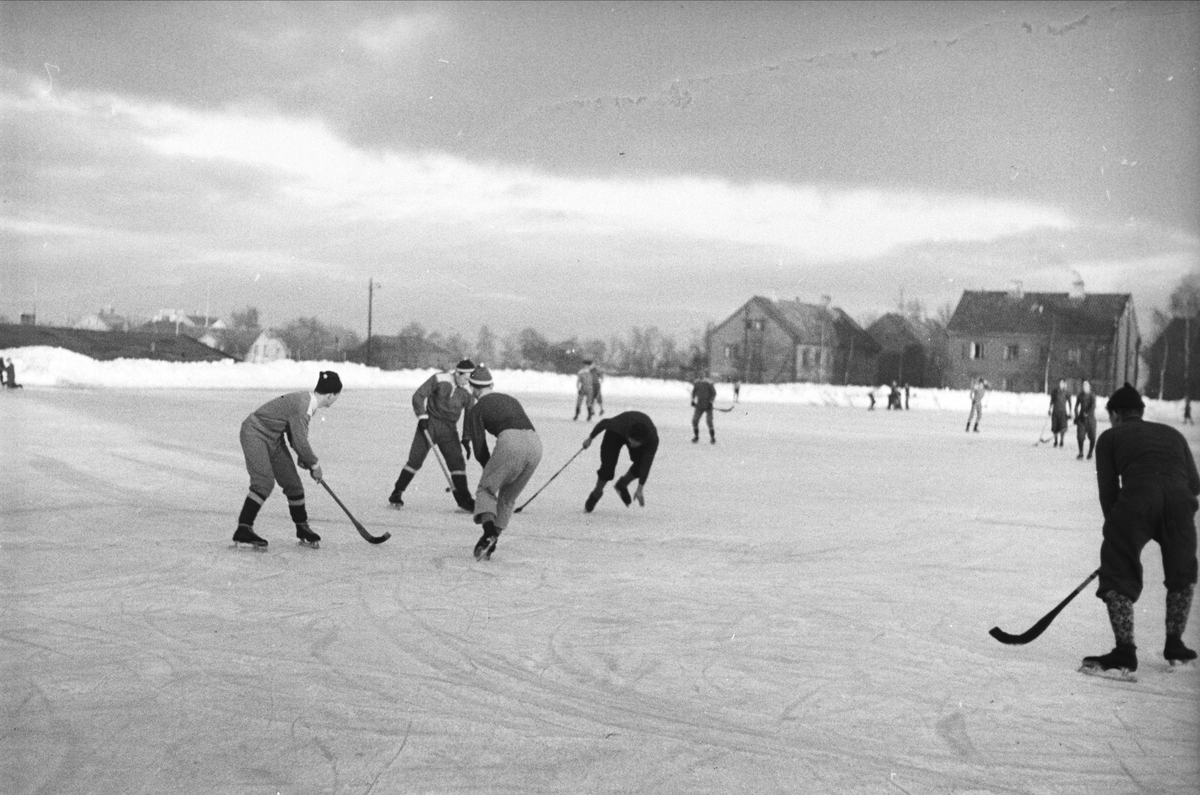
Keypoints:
pixel 1077 293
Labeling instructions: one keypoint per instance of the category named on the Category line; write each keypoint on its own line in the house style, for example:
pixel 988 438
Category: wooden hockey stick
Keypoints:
pixel 362 531
pixel 1040 626
pixel 548 482
pixel 438 455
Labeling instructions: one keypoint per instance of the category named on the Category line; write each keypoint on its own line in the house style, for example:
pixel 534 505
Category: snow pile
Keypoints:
pixel 55 367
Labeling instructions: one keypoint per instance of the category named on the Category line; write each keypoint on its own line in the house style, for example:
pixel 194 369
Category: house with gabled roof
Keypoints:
pixel 1027 342
pixel 911 350
pixel 773 341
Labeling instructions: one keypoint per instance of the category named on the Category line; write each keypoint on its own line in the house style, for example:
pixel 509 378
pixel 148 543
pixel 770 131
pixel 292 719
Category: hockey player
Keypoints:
pixel 631 429
pixel 1060 412
pixel 978 389
pixel 508 467
pixel 703 395
pixel 1085 418
pixel 1148 487
pixel 267 458
pixel 438 404
pixel 587 388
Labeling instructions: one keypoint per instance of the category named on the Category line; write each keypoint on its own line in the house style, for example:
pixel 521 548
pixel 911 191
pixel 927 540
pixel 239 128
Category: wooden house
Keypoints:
pixel 911 351
pixel 771 341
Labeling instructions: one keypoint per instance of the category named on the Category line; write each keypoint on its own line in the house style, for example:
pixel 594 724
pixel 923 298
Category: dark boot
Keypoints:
pixel 1176 653
pixel 245 535
pixel 1121 661
pixel 397 497
pixel 307 536
pixel 591 500
pixel 622 489
pixel 462 494
pixel 486 544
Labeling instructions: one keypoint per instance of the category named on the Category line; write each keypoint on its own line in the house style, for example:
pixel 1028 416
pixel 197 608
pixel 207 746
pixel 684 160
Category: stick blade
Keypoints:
pixel 1004 637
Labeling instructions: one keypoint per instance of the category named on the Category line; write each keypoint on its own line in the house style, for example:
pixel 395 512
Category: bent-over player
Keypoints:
pixel 1148 487
pixel 631 429
pixel 507 468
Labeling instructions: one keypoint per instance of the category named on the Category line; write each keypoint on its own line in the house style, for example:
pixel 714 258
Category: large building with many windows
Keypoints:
pixel 1027 342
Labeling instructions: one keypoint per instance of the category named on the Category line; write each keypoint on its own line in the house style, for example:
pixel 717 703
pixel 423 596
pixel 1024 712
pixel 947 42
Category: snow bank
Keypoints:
pixel 55 367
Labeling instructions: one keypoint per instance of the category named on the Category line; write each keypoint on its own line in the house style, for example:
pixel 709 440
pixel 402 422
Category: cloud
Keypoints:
pixel 386 39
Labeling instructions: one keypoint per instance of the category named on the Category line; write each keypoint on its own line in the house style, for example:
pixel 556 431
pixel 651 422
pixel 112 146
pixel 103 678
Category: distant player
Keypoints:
pixel 1148 487
pixel 263 438
pixel 1060 412
pixel 1085 418
pixel 438 404
pixel 978 389
pixel 631 429
pixel 587 389
pixel 703 395
pixel 506 469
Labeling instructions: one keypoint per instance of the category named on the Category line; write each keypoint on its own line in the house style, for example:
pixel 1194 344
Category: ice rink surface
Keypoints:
pixel 801 608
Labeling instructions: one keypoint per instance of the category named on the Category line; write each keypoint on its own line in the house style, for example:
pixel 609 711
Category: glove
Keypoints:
pixel 466 443
pixel 423 424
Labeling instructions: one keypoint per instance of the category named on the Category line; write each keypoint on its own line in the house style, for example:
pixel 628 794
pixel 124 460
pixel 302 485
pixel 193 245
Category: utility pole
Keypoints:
pixel 370 302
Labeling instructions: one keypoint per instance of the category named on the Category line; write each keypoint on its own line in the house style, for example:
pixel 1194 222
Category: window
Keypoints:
pixel 805 358
pixel 972 350
pixel 1073 355
pixel 1012 352
pixel 758 324
pixel 728 351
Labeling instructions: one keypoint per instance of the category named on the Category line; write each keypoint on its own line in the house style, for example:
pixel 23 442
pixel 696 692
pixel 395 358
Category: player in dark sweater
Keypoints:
pixel 631 429
pixel 1085 418
pixel 703 395
pixel 1148 487
pixel 506 469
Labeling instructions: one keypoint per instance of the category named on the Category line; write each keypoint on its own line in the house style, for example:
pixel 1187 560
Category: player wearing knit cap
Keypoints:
pixel 1148 487
pixel 507 468
pixel 265 436
pixel 438 404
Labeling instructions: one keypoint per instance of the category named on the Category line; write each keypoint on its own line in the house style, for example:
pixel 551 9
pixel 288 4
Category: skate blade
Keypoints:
pixel 395 506
pixel 309 544
pixel 1116 674
pixel 255 547
pixel 1180 665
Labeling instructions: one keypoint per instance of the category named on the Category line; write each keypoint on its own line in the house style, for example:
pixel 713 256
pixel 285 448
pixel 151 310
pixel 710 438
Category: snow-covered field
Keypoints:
pixel 801 608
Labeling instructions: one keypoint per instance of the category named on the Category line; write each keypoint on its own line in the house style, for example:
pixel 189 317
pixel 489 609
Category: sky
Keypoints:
pixel 584 168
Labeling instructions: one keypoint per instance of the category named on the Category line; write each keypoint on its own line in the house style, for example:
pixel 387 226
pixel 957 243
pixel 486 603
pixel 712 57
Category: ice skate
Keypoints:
pixel 396 500
pixel 1120 663
pixel 591 501
pixel 485 546
pixel 1177 654
pixel 307 537
pixel 245 535
pixel 623 492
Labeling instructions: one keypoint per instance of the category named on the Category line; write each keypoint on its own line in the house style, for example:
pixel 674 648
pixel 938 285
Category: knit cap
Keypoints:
pixel 328 383
pixel 465 366
pixel 1125 398
pixel 481 376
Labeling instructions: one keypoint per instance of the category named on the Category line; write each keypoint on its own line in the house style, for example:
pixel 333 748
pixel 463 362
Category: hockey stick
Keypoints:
pixel 438 455
pixel 362 531
pixel 1040 626
pixel 1040 440
pixel 731 408
pixel 548 482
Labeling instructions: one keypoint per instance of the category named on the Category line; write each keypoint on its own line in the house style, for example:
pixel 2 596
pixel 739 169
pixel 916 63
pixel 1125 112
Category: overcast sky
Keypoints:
pixel 583 168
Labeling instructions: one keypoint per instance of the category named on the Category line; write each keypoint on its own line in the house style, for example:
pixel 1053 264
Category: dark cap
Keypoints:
pixel 464 367
pixel 328 383
pixel 1125 398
